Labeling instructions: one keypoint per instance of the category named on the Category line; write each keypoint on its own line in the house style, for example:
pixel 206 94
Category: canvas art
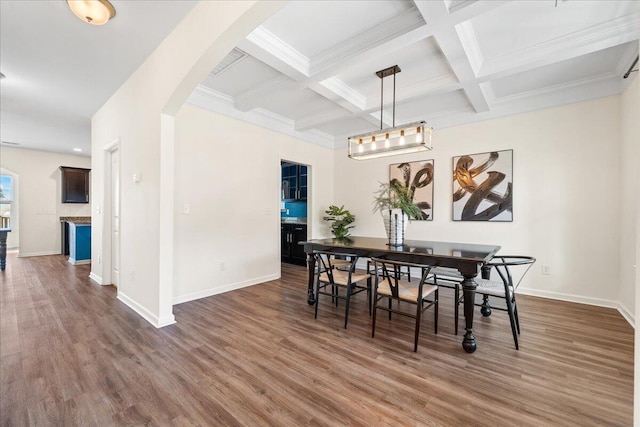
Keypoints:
pixel 418 177
pixel 483 187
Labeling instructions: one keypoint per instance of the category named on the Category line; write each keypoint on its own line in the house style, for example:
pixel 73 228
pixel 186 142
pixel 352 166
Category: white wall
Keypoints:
pixel 566 195
pixel 228 172
pixel 139 116
pixel 629 188
pixel 39 195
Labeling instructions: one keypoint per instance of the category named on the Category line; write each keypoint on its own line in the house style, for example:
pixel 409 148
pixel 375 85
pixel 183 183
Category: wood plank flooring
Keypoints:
pixel 72 354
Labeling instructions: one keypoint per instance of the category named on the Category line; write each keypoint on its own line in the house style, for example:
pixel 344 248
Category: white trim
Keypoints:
pixel 144 313
pixel 222 289
pixel 93 276
pixel 600 302
pixel 278 48
pixel 73 261
pixel 627 315
pixel 44 253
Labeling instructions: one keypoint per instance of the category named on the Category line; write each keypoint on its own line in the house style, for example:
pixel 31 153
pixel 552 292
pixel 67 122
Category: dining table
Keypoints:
pixel 467 258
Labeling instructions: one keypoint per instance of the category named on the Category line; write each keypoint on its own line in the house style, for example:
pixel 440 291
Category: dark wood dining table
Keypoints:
pixel 467 258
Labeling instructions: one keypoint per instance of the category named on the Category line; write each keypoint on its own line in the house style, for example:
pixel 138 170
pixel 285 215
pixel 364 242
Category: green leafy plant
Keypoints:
pixel 340 219
pixel 395 195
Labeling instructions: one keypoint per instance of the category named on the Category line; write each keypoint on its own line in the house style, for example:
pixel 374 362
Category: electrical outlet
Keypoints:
pixel 546 269
pixel 186 209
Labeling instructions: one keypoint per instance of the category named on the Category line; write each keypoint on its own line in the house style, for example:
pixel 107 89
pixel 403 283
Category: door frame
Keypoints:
pixel 107 213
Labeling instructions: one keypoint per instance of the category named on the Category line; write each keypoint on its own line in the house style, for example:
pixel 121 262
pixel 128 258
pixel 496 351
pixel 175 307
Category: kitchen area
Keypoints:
pixel 294 192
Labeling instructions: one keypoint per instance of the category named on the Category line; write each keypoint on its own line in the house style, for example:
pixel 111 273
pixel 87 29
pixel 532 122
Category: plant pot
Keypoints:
pixel 395 224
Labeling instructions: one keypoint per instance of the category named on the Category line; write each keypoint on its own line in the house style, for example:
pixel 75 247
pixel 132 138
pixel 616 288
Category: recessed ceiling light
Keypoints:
pixel 77 149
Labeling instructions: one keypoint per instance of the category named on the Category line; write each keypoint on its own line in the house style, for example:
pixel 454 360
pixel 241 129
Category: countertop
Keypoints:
pixel 293 220
pixel 76 219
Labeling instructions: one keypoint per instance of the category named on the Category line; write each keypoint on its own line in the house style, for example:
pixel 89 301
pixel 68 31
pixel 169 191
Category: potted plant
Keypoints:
pixel 395 202
pixel 340 219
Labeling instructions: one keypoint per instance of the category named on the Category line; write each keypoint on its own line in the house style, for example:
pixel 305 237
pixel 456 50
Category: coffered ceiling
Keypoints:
pixel 309 70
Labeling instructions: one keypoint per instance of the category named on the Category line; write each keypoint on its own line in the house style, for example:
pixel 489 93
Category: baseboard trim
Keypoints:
pixel 222 289
pixel 146 314
pixel 82 261
pixel 627 315
pixel 93 276
pixel 600 302
pixel 45 253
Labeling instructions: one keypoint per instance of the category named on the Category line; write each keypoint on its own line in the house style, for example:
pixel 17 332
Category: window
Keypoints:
pixel 6 198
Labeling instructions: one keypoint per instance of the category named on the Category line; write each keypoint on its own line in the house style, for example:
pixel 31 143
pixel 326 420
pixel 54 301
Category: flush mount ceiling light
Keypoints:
pixel 391 141
pixel 94 12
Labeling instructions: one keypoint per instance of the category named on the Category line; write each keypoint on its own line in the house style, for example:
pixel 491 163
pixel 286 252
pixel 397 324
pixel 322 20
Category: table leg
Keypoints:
pixel 311 266
pixel 3 250
pixel 469 290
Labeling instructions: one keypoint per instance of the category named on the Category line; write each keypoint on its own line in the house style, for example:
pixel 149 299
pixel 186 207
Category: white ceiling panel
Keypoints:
pixel 349 126
pixel 524 23
pixel 567 72
pixel 241 76
pixel 423 108
pixel 312 27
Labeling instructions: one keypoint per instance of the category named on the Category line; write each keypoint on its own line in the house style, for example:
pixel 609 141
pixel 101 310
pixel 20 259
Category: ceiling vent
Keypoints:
pixel 9 143
pixel 235 56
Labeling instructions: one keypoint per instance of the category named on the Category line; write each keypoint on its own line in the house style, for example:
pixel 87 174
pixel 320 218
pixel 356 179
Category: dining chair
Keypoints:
pixel 504 287
pixel 346 277
pixel 389 285
pixel 450 278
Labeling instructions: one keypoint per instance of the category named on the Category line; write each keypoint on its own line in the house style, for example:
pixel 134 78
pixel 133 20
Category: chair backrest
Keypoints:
pixel 382 266
pixel 503 264
pixel 324 264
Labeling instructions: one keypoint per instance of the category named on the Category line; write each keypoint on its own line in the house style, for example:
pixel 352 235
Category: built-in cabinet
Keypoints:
pixel 294 182
pixel 291 251
pixel 75 185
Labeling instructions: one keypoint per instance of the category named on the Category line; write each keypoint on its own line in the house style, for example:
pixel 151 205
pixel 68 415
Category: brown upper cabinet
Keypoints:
pixel 75 185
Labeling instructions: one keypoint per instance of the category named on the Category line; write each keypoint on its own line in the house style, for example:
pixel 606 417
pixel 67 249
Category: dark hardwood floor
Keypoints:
pixel 72 354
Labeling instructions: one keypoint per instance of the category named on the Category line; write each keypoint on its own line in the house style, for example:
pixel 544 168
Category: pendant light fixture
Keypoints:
pixel 94 12
pixel 392 141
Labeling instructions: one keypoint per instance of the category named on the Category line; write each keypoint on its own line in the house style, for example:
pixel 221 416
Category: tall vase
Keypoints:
pixel 395 224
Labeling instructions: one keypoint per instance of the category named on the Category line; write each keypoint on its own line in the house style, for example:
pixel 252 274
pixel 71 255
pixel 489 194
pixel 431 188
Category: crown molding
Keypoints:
pixel 277 47
pixel 345 92
pixel 470 45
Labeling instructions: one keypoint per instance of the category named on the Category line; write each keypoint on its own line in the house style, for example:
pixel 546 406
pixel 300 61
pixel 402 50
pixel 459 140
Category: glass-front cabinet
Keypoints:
pixel 294 181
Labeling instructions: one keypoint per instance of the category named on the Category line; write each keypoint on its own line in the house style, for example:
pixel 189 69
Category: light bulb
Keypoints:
pixel 418 136
pixel 402 137
pixel 373 143
pixel 386 141
pixel 360 148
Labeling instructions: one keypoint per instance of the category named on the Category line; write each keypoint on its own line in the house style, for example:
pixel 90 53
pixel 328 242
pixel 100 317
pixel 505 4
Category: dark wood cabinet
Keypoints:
pixel 75 185
pixel 290 237
pixel 294 181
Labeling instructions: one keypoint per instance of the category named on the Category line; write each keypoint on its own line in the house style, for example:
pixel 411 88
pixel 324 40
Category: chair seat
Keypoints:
pixel 342 277
pixel 406 291
pixel 491 287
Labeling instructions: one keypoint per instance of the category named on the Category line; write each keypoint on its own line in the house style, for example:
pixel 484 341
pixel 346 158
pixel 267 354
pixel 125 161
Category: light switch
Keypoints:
pixel 98 209
pixel 186 209
pixel 135 178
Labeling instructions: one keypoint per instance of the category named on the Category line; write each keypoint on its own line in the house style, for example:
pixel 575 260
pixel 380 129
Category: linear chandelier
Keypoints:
pixel 392 141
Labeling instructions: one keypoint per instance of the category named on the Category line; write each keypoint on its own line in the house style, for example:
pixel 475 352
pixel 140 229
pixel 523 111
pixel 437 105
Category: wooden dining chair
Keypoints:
pixel 346 278
pixel 450 278
pixel 389 285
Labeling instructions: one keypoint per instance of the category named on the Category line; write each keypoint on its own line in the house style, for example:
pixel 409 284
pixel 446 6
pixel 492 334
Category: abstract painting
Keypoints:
pixel 483 187
pixel 418 178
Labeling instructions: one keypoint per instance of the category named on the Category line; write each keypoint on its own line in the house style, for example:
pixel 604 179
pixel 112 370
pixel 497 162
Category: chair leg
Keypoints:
pixel 390 307
pixel 409 274
pixel 512 320
pixel 369 293
pixel 315 316
pixel 456 308
pixel 485 309
pixel 375 310
pixel 515 312
pixel 418 313
pixel 346 312
pixel 435 313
